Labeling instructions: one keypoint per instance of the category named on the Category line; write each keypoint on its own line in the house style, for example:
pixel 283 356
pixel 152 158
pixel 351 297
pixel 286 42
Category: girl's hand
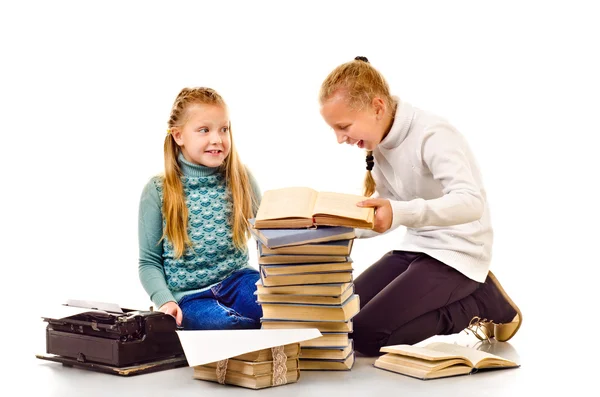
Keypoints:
pixel 174 310
pixel 383 213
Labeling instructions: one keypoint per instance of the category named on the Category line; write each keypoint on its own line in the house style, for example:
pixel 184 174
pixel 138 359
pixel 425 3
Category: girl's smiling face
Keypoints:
pixel 204 138
pixel 362 127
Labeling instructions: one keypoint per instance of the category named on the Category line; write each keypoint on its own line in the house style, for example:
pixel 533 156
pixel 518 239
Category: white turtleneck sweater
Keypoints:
pixel 426 169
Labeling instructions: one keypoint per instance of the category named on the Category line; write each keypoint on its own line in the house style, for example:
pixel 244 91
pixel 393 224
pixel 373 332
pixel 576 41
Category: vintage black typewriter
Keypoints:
pixel 104 337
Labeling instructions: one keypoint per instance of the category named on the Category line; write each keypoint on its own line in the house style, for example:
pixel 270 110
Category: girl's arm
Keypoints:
pixel 150 227
pixel 445 153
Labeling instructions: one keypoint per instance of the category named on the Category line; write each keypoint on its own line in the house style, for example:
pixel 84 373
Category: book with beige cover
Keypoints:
pixel 243 380
pixel 324 353
pixel 302 312
pixel 305 278
pixel 303 207
pixel 303 268
pixel 328 364
pixel 253 368
pixel 334 289
pixel 438 360
pixel 308 299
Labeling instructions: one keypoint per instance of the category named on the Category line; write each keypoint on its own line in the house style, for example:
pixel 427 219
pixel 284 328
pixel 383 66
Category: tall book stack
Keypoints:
pixel 306 281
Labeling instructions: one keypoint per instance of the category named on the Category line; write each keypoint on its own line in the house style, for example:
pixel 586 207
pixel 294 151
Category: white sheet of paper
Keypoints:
pixel 106 306
pixel 203 347
pixel 62 311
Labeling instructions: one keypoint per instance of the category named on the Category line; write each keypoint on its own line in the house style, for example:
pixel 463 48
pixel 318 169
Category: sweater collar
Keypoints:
pixel 195 170
pixel 400 126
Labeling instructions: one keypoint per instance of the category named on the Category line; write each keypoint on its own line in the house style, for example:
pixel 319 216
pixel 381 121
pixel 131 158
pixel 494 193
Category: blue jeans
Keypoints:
pixel 230 304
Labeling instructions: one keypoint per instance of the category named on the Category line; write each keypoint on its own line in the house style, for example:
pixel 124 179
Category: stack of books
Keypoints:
pixel 255 370
pixel 251 358
pixel 306 281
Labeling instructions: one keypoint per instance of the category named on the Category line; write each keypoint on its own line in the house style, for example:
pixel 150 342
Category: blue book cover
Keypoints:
pixel 273 238
pixel 338 247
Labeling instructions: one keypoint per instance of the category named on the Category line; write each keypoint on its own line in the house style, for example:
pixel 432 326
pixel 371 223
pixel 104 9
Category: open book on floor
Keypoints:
pixel 302 207
pixel 438 360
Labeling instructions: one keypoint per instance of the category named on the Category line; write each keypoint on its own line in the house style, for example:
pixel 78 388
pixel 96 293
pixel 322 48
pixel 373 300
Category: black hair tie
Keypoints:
pixel 359 58
pixel 370 162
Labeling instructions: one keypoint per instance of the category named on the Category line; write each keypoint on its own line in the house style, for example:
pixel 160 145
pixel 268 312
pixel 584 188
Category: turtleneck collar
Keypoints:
pixel 400 126
pixel 195 170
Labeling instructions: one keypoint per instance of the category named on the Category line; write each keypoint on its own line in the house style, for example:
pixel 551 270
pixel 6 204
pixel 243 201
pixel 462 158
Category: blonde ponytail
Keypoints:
pixel 369 187
pixel 174 208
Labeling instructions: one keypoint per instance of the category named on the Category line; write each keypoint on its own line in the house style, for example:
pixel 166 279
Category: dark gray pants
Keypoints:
pixel 407 297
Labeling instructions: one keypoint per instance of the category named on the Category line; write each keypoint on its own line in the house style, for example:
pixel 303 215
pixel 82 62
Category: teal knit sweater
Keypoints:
pixel 212 256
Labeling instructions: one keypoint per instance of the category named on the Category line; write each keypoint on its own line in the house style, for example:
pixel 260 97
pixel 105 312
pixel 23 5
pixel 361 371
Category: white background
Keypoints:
pixel 86 90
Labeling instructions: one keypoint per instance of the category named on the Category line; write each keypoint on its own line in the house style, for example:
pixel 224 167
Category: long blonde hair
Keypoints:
pixel 360 82
pixel 174 208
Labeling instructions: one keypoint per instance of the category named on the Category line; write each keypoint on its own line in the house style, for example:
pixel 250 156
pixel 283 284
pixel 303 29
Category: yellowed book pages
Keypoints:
pixel 327 340
pixel 327 354
pixel 340 209
pixel 312 312
pixel 307 278
pixel 459 369
pixel 292 206
pixel 290 350
pixel 438 360
pixel 291 259
pixel 340 326
pixel 328 365
pixel 279 270
pixel 438 351
pixel 254 368
pixel 247 381
pixel 297 207
pixel 335 289
pixel 308 299
pixel 420 363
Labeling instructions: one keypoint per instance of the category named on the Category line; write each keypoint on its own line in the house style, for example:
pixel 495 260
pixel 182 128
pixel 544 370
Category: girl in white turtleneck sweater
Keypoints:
pixel 421 174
